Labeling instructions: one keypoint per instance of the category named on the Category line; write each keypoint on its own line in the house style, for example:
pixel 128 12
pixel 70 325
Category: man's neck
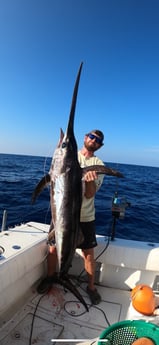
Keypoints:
pixel 86 153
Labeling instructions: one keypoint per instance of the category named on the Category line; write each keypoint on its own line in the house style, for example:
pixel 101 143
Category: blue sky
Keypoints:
pixel 42 43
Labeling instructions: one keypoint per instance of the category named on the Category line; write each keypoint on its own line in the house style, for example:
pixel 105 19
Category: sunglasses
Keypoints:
pixel 97 139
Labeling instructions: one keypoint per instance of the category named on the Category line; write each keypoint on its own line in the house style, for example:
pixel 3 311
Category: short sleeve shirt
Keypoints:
pixel 88 209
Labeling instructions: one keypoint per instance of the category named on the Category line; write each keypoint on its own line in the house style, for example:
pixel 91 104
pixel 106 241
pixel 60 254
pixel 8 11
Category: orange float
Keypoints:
pixel 143 341
pixel 143 299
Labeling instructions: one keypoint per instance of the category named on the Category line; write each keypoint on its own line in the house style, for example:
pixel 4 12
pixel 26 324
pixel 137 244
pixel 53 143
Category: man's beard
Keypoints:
pixel 90 148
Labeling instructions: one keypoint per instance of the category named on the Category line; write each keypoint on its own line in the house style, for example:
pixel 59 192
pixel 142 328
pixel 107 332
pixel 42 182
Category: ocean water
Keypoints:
pixel 140 188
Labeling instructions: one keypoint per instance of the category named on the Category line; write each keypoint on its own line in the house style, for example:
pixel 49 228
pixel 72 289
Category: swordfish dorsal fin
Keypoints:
pixel 102 169
pixel 61 137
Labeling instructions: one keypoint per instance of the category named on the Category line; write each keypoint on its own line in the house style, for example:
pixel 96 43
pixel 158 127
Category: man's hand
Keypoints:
pixel 90 176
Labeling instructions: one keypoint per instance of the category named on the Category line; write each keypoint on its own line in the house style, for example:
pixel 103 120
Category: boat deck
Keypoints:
pixel 59 318
pixel 27 318
pixel 45 319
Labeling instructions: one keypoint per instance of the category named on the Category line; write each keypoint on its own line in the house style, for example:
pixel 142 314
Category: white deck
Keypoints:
pixel 55 318
pixel 60 315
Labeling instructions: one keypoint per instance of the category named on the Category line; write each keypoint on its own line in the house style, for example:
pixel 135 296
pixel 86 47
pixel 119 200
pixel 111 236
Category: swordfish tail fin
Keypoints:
pixel 66 282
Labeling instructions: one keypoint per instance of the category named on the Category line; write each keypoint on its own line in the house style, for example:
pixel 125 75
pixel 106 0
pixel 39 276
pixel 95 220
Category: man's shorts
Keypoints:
pixel 89 235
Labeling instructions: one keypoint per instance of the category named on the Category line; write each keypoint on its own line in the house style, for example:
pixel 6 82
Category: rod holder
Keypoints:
pixel 4 220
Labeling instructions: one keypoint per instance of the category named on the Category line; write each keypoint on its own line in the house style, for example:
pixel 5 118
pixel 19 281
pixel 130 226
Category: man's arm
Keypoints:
pixel 90 186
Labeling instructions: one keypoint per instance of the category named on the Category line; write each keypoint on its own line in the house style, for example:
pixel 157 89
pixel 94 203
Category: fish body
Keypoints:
pixel 65 179
pixel 66 198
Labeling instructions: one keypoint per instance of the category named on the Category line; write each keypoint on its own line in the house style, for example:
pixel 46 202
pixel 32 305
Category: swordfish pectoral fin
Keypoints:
pixel 102 169
pixel 40 186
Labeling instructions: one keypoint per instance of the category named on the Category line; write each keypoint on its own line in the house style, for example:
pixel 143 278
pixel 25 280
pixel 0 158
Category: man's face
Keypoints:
pixel 92 142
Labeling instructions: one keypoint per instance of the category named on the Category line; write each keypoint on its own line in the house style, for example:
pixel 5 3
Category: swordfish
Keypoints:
pixel 65 179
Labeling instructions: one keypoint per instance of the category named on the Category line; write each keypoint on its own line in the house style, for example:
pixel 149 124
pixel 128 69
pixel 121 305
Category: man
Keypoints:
pixel 92 142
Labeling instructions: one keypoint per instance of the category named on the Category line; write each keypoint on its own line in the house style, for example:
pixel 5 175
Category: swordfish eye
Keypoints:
pixel 64 145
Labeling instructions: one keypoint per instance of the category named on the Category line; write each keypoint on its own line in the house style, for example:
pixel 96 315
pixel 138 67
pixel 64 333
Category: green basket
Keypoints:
pixel 126 332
